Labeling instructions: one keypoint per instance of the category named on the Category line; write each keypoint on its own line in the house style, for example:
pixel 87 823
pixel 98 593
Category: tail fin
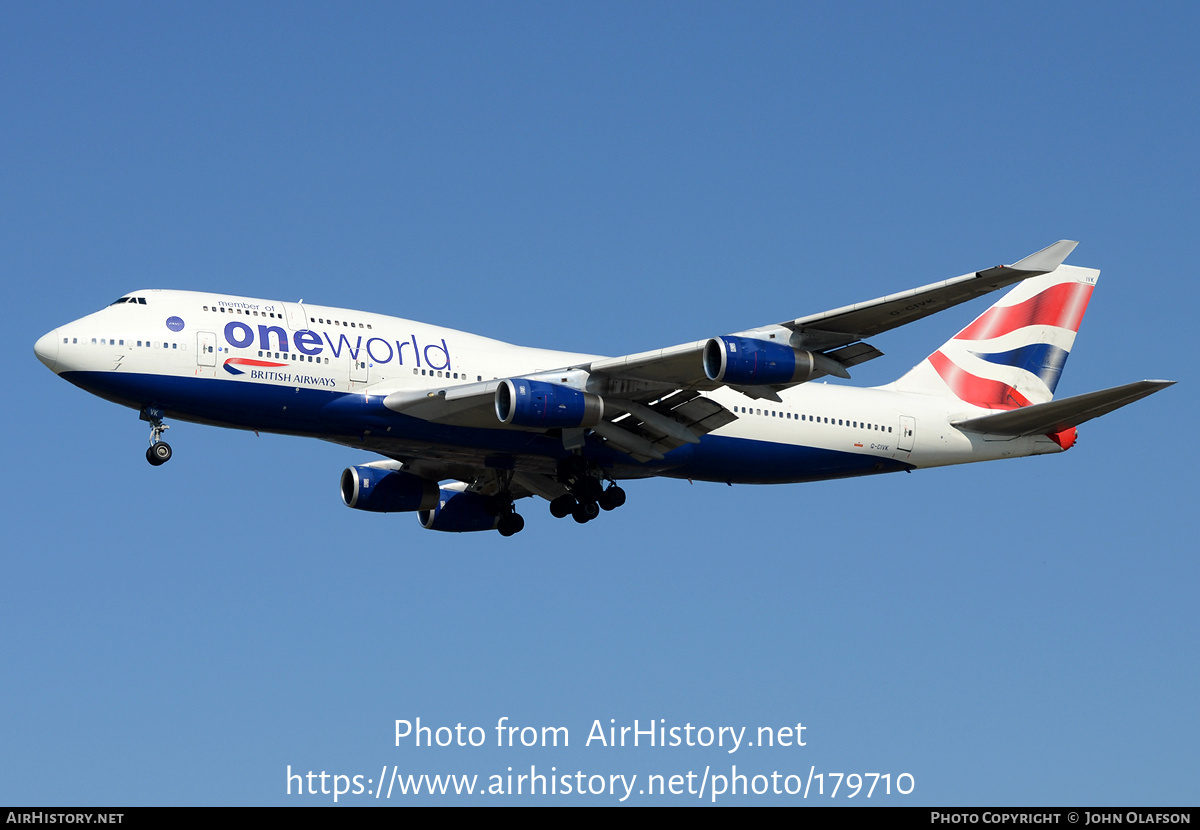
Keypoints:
pixel 1013 354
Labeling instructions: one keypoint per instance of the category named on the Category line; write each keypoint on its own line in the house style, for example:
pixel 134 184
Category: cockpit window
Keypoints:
pixel 138 300
pixel 118 302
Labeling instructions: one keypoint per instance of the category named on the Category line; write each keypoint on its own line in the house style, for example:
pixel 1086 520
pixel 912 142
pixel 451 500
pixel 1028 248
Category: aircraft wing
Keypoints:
pixel 834 338
pixel 855 322
pixel 643 429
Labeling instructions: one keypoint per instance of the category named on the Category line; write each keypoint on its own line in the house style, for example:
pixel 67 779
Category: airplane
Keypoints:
pixel 468 425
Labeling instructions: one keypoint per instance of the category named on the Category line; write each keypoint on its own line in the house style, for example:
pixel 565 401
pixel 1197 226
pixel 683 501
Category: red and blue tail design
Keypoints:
pixel 1013 354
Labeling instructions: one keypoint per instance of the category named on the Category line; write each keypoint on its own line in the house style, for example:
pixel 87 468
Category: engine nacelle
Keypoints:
pixel 745 361
pixel 387 491
pixel 534 403
pixel 458 512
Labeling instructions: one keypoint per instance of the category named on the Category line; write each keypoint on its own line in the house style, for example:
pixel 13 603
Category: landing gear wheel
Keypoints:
pixel 510 523
pixel 158 454
pixel 585 511
pixel 562 506
pixel 612 498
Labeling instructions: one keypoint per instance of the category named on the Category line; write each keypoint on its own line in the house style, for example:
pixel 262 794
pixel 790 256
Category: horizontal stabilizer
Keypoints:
pixel 1056 416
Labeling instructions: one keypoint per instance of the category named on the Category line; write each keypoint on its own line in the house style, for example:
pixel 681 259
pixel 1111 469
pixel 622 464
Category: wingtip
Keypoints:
pixel 1047 259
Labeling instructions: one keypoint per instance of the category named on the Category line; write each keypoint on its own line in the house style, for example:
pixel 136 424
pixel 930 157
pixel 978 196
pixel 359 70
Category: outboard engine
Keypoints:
pixel 746 361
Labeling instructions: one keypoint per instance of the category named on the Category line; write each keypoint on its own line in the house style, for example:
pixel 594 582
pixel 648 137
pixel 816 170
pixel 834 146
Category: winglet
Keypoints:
pixel 1047 259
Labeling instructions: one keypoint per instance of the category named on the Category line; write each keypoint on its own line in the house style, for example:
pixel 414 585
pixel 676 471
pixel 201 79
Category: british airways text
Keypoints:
pixel 288 377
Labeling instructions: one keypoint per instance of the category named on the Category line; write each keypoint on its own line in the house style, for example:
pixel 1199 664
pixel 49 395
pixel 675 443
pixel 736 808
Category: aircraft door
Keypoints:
pixel 358 367
pixel 908 433
pixel 297 317
pixel 206 348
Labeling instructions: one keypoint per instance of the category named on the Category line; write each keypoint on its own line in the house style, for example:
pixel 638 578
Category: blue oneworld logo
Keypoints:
pixel 434 355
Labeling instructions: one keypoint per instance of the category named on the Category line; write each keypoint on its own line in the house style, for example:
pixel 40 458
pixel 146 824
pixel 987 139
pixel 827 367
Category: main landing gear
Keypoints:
pixel 159 451
pixel 501 505
pixel 587 496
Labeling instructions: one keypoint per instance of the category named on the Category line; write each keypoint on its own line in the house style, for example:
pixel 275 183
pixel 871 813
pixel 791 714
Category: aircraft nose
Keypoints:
pixel 46 349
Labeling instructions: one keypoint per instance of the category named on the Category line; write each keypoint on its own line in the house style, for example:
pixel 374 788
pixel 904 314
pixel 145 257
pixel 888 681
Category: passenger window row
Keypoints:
pixel 294 356
pixel 113 341
pixel 250 312
pixel 819 419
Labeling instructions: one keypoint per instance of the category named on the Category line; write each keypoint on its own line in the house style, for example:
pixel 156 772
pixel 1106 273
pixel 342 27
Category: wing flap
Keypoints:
pixel 854 354
pixel 701 415
pixel 1056 416
pixel 692 414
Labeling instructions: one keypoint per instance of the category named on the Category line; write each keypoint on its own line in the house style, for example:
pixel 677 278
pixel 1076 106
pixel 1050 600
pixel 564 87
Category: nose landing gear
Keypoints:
pixel 159 451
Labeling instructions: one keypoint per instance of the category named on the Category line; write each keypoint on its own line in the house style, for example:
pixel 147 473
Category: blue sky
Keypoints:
pixel 603 178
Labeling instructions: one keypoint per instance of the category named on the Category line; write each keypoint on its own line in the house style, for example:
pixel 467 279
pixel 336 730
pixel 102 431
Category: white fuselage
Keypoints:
pixel 275 366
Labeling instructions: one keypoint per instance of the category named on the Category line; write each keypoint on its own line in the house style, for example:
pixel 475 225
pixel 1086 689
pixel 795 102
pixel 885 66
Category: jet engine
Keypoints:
pixel 457 511
pixel 387 491
pixel 745 361
pixel 533 403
